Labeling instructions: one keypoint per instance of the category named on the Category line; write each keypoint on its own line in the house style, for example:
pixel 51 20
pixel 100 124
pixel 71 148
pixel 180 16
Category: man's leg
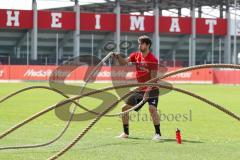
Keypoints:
pixel 153 103
pixel 125 121
pixel 133 100
pixel 125 118
pixel 155 117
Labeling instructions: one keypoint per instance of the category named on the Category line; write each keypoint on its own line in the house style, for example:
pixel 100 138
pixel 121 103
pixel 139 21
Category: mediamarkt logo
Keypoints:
pixel 40 73
pixel 183 75
pixel 107 74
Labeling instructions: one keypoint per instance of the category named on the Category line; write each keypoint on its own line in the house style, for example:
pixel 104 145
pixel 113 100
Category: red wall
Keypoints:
pixel 227 76
pixel 21 72
pixel 42 73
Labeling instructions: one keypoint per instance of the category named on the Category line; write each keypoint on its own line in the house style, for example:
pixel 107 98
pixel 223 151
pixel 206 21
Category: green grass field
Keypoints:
pixel 208 134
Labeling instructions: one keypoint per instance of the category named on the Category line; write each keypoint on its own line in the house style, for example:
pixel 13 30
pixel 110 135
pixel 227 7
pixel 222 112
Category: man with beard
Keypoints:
pixel 146 68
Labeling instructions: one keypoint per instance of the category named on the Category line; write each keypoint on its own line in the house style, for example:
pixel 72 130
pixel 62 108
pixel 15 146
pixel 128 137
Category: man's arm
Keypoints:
pixel 153 74
pixel 121 60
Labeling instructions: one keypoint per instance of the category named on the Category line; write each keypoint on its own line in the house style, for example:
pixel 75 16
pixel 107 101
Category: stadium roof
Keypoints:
pixel 128 6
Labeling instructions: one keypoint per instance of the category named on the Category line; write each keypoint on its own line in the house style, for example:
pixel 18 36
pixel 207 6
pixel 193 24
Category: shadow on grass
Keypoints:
pixel 183 141
pixel 125 142
pixel 138 138
pixel 107 145
pixel 166 140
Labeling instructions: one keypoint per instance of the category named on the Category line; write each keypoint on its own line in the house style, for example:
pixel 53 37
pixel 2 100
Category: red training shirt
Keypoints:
pixel 144 65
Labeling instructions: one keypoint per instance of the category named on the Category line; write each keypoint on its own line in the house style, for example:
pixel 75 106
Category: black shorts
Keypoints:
pixel 137 97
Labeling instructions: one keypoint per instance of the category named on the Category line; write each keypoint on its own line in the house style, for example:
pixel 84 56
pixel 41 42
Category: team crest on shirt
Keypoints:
pixel 141 64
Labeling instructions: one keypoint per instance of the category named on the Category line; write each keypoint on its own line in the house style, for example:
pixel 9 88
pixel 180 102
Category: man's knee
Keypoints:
pixel 126 107
pixel 152 109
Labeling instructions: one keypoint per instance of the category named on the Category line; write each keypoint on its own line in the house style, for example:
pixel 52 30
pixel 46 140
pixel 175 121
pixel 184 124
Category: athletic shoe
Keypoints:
pixel 157 137
pixel 123 135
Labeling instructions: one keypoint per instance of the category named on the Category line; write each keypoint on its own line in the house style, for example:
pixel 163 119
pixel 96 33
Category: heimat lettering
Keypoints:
pixel 141 23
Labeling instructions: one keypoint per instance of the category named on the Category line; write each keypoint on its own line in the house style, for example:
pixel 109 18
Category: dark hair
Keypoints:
pixel 145 39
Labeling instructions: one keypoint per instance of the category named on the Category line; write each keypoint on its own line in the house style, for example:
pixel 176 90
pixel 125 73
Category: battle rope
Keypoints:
pixel 108 88
pixel 165 76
